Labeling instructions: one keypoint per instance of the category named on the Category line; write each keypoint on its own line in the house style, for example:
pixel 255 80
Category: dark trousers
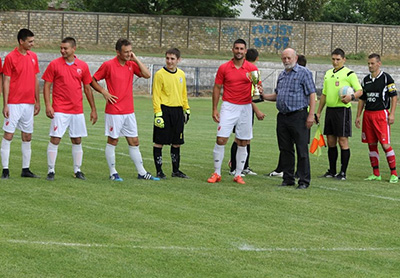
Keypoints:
pixel 291 130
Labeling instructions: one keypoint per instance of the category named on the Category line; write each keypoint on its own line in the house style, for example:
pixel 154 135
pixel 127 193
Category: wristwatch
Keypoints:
pixel 353 97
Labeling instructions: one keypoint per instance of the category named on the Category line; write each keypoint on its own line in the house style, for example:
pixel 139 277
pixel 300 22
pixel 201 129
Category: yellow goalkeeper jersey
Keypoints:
pixel 169 89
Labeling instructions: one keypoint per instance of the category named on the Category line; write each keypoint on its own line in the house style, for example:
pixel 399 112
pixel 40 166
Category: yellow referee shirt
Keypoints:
pixel 334 80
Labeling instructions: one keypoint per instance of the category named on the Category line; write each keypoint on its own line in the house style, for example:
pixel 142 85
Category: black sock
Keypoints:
pixel 246 164
pixel 233 156
pixel 175 158
pixel 332 156
pixel 344 159
pixel 157 155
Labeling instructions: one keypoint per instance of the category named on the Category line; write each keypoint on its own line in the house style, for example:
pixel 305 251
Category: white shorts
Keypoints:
pixel 62 121
pixel 21 117
pixel 121 125
pixel 235 115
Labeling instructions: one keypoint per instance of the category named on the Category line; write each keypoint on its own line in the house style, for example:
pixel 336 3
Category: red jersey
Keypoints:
pixel 119 80
pixel 67 84
pixel 235 82
pixel 22 70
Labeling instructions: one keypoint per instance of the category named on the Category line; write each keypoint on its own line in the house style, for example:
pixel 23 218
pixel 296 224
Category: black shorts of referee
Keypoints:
pixel 174 122
pixel 338 121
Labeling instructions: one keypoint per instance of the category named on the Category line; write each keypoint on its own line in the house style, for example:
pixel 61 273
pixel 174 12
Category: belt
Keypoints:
pixel 293 112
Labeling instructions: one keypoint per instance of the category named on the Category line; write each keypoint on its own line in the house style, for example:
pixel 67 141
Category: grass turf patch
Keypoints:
pixel 189 228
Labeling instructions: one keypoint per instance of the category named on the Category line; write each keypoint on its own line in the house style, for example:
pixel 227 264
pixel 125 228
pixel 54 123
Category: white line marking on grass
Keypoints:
pixel 85 146
pixel 57 243
pixel 245 247
pixel 367 195
pixel 71 244
pixel 250 248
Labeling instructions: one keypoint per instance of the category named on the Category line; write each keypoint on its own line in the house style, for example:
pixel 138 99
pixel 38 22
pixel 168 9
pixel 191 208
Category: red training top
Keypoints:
pixel 119 80
pixel 67 84
pixel 236 82
pixel 22 70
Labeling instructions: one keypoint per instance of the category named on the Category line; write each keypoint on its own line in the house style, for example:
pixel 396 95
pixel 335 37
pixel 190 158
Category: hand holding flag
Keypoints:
pixel 318 142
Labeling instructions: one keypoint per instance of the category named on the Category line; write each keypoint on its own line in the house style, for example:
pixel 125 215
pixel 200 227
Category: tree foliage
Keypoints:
pixel 348 11
pixel 6 5
pixel 217 8
pixel 384 12
pixel 307 10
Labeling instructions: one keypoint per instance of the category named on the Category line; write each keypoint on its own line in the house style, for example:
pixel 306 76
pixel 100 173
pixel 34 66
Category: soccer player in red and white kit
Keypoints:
pixel 379 94
pixel 236 110
pixel 20 100
pixel 120 118
pixel 67 74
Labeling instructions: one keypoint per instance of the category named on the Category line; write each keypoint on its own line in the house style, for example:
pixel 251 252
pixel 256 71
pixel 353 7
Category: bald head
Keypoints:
pixel 289 58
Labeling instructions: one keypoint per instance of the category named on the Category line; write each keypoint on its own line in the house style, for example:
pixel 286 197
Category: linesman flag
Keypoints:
pixel 318 142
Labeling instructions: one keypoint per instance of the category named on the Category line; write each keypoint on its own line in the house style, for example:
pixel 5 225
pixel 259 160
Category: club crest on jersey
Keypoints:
pixel 33 61
pixel 130 68
pixel 337 83
pixel 79 71
pixel 180 79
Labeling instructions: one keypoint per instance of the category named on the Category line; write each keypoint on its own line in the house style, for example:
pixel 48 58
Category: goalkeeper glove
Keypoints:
pixel 187 114
pixel 158 120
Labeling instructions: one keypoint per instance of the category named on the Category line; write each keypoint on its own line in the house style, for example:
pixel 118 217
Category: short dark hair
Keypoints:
pixel 23 34
pixel 251 54
pixel 174 51
pixel 240 41
pixel 121 42
pixel 69 40
pixel 301 60
pixel 375 55
pixel 338 51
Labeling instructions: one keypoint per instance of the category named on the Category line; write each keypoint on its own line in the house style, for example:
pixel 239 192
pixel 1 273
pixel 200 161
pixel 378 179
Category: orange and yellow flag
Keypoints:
pixel 317 143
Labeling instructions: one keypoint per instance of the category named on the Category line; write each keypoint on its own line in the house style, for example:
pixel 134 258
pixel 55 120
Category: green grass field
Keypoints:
pixel 189 228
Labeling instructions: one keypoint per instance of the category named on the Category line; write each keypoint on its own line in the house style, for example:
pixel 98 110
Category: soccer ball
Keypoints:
pixel 345 90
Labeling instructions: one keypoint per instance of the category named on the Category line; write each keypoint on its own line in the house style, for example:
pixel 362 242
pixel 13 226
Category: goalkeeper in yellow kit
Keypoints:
pixel 171 112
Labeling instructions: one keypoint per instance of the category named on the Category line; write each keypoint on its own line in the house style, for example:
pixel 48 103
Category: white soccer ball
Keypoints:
pixel 345 90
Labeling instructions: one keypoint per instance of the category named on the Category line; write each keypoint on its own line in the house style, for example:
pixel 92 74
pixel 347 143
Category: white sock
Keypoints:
pixel 218 153
pixel 241 156
pixel 26 154
pixel 51 157
pixel 77 156
pixel 110 157
pixel 5 152
pixel 136 157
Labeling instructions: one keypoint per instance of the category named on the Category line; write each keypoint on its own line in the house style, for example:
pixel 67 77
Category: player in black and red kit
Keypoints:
pixel 379 94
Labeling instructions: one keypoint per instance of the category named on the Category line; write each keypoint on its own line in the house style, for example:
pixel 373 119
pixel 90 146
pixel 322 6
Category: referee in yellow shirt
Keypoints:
pixel 338 113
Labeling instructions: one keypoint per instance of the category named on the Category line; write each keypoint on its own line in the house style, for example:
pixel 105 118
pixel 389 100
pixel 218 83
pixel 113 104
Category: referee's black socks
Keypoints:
pixel 344 159
pixel 332 157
